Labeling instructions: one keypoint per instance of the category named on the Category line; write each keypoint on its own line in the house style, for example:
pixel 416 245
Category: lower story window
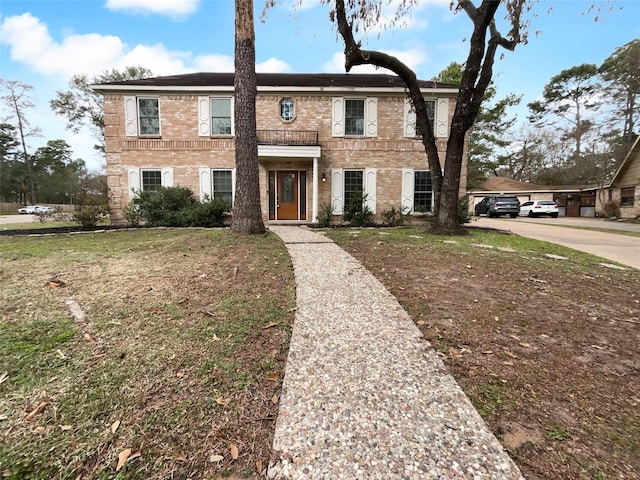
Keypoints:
pixel 222 183
pixel 151 180
pixel 422 191
pixel 353 187
pixel 627 196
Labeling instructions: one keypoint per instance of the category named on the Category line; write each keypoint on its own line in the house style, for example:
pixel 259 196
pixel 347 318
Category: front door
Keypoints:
pixel 287 195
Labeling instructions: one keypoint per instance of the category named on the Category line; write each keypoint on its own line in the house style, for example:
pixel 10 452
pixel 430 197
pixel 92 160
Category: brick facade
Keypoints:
pixel 181 148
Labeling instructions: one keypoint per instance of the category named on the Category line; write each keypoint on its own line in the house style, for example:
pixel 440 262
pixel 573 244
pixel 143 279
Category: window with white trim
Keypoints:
pixel 422 191
pixel 148 179
pixel 217 184
pixel 437 112
pixel 354 117
pixel 347 183
pixel 222 186
pixel 151 180
pixel 417 191
pixel 221 116
pixel 430 105
pixel 287 109
pixel 149 116
pixel 353 187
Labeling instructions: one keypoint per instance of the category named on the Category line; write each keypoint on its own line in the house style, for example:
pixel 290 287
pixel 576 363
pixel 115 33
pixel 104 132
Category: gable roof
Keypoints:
pixel 495 184
pixel 508 185
pixel 312 80
pixel 633 155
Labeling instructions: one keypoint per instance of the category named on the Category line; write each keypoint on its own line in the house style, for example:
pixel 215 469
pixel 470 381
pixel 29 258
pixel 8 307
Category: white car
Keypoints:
pixel 536 208
pixel 41 209
pixel 29 209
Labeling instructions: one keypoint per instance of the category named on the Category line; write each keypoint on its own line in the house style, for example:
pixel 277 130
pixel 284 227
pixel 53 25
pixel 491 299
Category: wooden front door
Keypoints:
pixel 287 195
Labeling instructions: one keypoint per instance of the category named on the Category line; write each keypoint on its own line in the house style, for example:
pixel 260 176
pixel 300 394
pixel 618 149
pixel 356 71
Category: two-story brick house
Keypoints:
pixel 321 137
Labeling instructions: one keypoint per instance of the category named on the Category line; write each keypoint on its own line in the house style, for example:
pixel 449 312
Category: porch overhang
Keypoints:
pixel 303 152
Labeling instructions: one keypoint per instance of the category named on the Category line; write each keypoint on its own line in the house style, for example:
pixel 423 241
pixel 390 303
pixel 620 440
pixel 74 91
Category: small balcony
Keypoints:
pixel 288 137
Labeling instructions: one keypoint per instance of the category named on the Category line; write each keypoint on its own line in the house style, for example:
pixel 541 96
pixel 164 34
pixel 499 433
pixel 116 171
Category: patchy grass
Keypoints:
pixel 180 357
pixel 546 349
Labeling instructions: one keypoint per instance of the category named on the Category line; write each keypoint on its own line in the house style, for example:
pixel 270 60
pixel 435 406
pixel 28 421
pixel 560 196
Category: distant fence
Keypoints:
pixel 13 207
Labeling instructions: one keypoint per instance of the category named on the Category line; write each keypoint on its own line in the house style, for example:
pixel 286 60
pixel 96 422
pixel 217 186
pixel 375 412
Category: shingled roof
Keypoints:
pixel 279 80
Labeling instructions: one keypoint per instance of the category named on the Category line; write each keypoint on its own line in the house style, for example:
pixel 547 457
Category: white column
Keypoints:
pixel 314 201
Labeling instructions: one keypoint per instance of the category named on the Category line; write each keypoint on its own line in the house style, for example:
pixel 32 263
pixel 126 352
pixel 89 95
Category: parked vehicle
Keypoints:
pixel 496 206
pixel 29 209
pixel 536 208
pixel 33 209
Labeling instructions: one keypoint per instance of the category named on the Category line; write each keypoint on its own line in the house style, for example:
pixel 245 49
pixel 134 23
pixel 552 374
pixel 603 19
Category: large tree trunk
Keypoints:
pixel 475 80
pixel 247 215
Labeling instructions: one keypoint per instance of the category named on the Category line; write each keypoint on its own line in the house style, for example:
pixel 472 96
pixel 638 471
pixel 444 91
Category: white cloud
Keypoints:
pixel 273 65
pixel 30 43
pixel 214 63
pixel 413 58
pixel 170 8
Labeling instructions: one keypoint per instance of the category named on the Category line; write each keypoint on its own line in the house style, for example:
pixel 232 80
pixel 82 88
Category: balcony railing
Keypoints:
pixel 287 137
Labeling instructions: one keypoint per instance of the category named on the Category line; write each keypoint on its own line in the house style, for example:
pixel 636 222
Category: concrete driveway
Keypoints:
pixel 623 249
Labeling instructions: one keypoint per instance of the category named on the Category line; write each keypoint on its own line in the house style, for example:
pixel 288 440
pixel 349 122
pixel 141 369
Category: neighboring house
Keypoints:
pixel 572 200
pixel 625 186
pixel 321 137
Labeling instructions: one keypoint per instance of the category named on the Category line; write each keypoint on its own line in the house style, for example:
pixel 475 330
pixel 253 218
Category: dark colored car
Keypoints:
pixel 496 206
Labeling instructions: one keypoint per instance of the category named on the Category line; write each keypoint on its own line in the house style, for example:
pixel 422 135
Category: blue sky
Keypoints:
pixel 44 42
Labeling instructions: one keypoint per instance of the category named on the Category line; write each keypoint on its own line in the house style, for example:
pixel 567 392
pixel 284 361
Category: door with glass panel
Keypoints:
pixel 287 195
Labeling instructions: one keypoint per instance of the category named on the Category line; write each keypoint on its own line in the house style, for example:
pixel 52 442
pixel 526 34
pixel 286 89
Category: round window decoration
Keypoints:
pixel 287 111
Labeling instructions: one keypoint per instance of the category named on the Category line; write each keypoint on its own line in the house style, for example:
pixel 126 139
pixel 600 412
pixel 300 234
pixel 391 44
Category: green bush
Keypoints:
pixel 89 215
pixel 358 214
pixel 395 216
pixel 325 215
pixel 207 214
pixel 166 207
pixel 175 207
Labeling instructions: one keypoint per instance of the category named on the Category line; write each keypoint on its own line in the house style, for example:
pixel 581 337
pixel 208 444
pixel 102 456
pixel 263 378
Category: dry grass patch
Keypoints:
pixel 546 349
pixel 175 372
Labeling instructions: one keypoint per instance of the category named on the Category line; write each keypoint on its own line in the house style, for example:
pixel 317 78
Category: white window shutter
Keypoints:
pixel 409 119
pixel 233 186
pixel 167 177
pixel 337 191
pixel 371 120
pixel 233 117
pixel 442 117
pixel 205 184
pixel 337 117
pixel 370 188
pixel 204 117
pixel 133 179
pixel 407 189
pixel 130 116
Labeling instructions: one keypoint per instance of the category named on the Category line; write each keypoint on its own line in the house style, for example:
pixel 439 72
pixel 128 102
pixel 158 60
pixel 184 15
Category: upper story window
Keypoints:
pixel 287 109
pixel 354 117
pixel 221 116
pixel 142 116
pixel 431 112
pixel 149 114
pixel 437 112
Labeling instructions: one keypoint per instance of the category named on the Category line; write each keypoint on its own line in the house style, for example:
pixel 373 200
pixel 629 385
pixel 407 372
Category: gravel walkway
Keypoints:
pixel 364 395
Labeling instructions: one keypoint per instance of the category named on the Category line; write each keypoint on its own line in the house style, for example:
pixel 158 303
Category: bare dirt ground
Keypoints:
pixel 546 349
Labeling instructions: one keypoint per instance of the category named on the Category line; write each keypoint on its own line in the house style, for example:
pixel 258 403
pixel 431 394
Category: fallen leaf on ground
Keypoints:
pixel 114 426
pixel 180 457
pixel 37 410
pixel 222 401
pixel 273 377
pixel 275 399
pixel 234 451
pixel 270 325
pixel 4 376
pixel 526 345
pixel 123 456
pixel 55 283
pixel 64 428
pixel 216 458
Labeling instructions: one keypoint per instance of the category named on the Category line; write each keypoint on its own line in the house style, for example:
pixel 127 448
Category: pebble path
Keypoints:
pixel 364 395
